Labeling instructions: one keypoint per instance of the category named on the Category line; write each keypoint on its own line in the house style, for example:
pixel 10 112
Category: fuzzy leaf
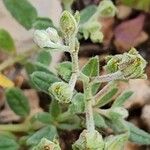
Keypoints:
pixel 42 81
pixel 122 98
pixel 17 101
pixel 137 135
pixel 116 142
pixel 55 109
pixel 48 132
pixel 43 23
pixel 99 121
pixel 87 13
pixel 95 88
pixel 107 97
pixel 36 66
pixel 43 117
pixel 6 42
pixel 44 58
pixel 77 105
pixel 22 11
pixel 64 70
pixel 8 143
pixel 91 69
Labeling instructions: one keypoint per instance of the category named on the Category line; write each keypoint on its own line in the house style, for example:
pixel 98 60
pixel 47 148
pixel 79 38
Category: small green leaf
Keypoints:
pixel 116 142
pixel 95 88
pixel 42 81
pixel 17 101
pixel 87 13
pixel 36 66
pixel 55 109
pixel 43 117
pixel 91 69
pixel 99 121
pixel 64 70
pixel 137 135
pixel 22 11
pixel 48 132
pixel 8 143
pixel 122 98
pixel 6 42
pixel 77 105
pixel 44 58
pixel 107 97
pixel 118 126
pixel 43 23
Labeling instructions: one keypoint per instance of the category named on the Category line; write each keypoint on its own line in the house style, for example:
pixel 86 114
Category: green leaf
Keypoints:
pixel 43 117
pixel 107 97
pixel 8 143
pixel 95 88
pixel 118 126
pixel 36 66
pixel 42 80
pixel 122 98
pixel 116 142
pixel 22 11
pixel 55 109
pixel 48 132
pixel 91 69
pixel 64 70
pixel 6 42
pixel 17 101
pixel 138 4
pixel 44 58
pixel 77 105
pixel 43 23
pixel 87 13
pixel 99 121
pixel 137 135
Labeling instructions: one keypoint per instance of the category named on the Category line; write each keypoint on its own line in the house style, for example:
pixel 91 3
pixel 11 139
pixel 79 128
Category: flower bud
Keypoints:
pixel 68 24
pixel 89 141
pixel 47 145
pixel 61 91
pixel 46 38
pixel 131 64
pixel 41 38
pixel 106 8
pixel 53 35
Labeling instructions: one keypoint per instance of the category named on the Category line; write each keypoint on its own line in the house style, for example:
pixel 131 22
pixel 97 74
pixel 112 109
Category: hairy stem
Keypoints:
pixel 89 110
pixel 75 66
pixel 107 78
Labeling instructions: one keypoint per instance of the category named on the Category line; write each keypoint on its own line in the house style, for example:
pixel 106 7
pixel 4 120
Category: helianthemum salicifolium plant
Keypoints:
pixel 70 109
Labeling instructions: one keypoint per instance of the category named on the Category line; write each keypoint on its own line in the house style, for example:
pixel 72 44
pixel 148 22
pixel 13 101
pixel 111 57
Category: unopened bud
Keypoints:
pixel 46 38
pixel 106 8
pixel 68 23
pixel 131 64
pixel 45 144
pixel 87 141
pixel 61 91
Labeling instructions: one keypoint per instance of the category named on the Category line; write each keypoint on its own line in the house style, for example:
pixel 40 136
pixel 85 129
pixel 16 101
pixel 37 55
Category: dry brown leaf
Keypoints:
pixel 130 33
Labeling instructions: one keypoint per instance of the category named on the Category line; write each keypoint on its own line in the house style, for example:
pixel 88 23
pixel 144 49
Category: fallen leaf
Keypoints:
pixel 128 33
pixel 5 82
